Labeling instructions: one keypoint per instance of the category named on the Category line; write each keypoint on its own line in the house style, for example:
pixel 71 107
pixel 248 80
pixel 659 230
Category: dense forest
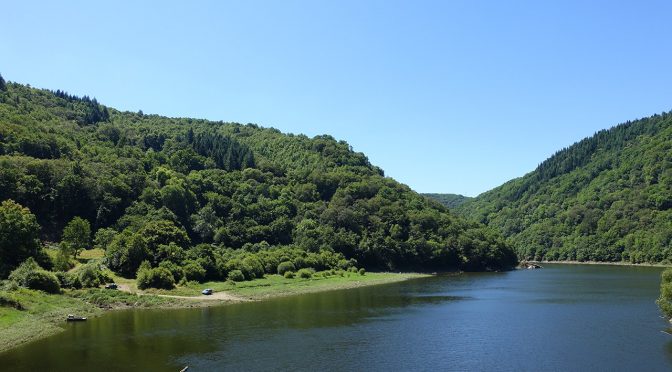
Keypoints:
pixel 605 198
pixel 449 200
pixel 198 199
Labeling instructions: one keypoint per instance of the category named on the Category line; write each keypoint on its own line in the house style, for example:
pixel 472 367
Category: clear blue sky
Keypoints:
pixel 445 96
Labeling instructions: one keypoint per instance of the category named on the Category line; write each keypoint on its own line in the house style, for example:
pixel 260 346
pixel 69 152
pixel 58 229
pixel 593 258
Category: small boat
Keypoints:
pixel 72 318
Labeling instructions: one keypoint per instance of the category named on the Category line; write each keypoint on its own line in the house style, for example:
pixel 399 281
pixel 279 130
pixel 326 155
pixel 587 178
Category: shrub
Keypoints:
pixel 91 276
pixel 62 261
pixel 362 271
pixel 159 277
pixel 289 274
pixel 20 274
pixel 193 271
pixel 236 276
pixel 252 267
pixel 352 269
pixel 43 281
pixel 175 270
pixel 306 273
pixel 286 266
pixel 68 280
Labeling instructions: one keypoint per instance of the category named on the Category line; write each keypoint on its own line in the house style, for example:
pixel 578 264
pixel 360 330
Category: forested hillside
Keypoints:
pixel 213 197
pixel 449 200
pixel 605 198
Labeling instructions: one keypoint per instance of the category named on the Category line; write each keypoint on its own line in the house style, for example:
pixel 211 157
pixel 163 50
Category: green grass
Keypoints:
pixel 277 285
pixel 42 315
pixel 27 315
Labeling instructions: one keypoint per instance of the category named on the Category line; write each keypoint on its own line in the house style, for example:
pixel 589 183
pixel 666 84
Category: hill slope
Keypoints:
pixel 605 198
pixel 220 195
pixel 449 200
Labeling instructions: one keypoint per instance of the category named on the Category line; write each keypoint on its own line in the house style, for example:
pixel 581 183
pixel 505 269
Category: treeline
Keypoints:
pixel 225 191
pixel 606 198
pixel 449 200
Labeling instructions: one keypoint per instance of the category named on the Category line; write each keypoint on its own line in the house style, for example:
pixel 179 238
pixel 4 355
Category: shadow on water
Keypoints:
pixel 564 317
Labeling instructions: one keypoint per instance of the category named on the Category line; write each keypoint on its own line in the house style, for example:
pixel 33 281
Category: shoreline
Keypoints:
pixel 48 320
pixel 619 263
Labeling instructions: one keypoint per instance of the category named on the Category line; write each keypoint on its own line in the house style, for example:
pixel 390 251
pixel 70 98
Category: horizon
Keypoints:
pixel 444 97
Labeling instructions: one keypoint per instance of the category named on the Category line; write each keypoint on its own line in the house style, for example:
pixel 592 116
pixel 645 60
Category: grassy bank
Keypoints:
pixel 277 286
pixel 27 315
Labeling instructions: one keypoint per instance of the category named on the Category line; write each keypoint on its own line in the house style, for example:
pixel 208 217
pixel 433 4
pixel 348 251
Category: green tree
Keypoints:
pixel 19 233
pixel 77 235
pixel 665 300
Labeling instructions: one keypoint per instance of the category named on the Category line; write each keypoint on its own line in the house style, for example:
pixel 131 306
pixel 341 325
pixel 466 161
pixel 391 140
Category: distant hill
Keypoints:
pixel 218 196
pixel 605 198
pixel 449 200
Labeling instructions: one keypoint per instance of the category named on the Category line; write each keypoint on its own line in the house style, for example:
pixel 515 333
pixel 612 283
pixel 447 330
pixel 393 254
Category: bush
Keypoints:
pixel 286 266
pixel 43 281
pixel 159 277
pixel 20 274
pixel 362 271
pixel 68 280
pixel 289 274
pixel 252 267
pixel 175 270
pixel 236 276
pixel 193 271
pixel 91 276
pixel 306 273
pixel 62 261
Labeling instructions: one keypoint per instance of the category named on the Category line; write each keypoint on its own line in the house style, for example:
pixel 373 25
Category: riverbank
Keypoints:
pixel 27 315
pixel 621 263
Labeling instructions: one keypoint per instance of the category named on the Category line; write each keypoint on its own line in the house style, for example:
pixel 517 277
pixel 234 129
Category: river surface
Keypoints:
pixel 560 318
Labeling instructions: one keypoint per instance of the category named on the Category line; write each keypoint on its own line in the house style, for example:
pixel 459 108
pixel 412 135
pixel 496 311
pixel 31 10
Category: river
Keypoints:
pixel 560 318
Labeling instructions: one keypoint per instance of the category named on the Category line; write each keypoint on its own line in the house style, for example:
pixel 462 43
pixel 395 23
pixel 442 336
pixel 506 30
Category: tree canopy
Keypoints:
pixel 605 198
pixel 219 196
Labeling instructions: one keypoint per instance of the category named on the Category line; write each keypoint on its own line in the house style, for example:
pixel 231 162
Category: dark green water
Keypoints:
pixel 561 318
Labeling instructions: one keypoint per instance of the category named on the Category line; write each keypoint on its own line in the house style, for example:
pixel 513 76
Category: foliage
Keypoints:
pixel 449 200
pixel 68 280
pixel 62 262
pixel 18 236
pixel 193 271
pixel 43 280
pixel 236 276
pixel 158 277
pixel 362 271
pixel 289 274
pixel 665 300
pixel 305 273
pixel 91 275
pixel 220 195
pixel 606 198
pixel 77 235
pixel 30 275
pixel 286 266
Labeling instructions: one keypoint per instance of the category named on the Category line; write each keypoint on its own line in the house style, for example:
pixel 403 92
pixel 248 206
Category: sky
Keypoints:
pixel 445 96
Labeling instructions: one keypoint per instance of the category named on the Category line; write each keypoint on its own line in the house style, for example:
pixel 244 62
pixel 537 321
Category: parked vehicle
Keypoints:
pixel 207 291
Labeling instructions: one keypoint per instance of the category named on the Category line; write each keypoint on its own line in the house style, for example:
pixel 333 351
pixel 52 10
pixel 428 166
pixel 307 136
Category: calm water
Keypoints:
pixel 562 318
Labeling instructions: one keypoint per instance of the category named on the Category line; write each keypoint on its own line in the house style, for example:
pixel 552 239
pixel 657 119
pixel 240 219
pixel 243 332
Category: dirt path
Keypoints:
pixel 221 296
pixel 216 296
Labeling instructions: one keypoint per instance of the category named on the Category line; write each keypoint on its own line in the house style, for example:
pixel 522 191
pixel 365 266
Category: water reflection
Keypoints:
pixel 564 317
